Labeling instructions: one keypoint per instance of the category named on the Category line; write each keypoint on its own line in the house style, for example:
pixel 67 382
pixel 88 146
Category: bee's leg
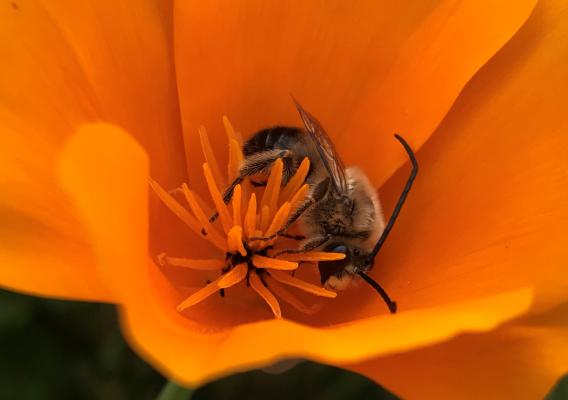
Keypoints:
pixel 293 237
pixel 253 165
pixel 307 246
pixel 316 195
pixel 259 184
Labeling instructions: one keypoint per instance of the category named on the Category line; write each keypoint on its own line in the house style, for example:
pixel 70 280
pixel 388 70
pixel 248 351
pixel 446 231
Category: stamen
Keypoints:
pixel 226 220
pixel 201 265
pixel 237 205
pixel 299 196
pixel 231 278
pixel 264 218
pixel 272 191
pixel 231 133
pixel 312 256
pixel 297 180
pixel 234 276
pixel 235 240
pixel 263 292
pixel 199 296
pixel 210 156
pixel 235 160
pixel 175 207
pixel 279 219
pixel 289 280
pixel 273 263
pixel 250 217
pixel 289 298
pixel 211 233
pixel 242 219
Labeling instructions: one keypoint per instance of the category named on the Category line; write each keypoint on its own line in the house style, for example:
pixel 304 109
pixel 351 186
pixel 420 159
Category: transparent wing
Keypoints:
pixel 327 152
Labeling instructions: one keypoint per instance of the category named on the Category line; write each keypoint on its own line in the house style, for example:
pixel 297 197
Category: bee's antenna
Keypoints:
pixel 400 202
pixel 390 304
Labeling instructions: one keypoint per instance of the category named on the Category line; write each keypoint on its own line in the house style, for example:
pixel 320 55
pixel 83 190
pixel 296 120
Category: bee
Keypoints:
pixel 341 213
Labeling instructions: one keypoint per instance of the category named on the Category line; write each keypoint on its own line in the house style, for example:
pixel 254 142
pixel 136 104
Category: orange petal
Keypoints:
pixel 312 256
pixel 146 327
pixel 300 284
pixel 488 211
pixel 105 172
pixel 224 215
pixel 62 51
pixel 521 360
pixel 273 263
pixel 211 233
pixel 204 265
pixel 266 295
pixel 406 63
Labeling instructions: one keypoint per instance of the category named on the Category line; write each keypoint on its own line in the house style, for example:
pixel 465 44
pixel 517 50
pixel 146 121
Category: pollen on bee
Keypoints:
pixel 242 260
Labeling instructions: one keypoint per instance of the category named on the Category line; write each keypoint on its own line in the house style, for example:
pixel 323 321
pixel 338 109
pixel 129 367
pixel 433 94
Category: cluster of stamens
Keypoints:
pixel 263 265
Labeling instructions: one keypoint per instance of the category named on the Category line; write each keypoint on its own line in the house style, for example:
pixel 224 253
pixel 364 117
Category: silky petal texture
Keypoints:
pixel 371 69
pixel 65 63
pixel 521 360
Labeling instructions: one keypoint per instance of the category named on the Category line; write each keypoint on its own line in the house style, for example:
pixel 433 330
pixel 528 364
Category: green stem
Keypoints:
pixel 172 391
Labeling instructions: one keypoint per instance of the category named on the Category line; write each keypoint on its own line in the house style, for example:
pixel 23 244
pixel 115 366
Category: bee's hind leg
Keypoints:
pixel 259 184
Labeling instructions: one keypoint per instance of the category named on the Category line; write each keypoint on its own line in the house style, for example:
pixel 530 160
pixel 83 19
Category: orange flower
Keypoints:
pixel 93 98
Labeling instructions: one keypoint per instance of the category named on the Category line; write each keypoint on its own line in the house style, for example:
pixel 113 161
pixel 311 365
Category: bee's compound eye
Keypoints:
pixel 339 249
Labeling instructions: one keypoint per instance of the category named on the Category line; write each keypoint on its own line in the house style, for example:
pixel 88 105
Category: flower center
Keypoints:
pixel 255 247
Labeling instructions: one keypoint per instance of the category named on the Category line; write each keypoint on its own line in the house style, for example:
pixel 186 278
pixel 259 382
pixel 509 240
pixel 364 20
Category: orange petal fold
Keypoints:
pixel 366 70
pixel 521 360
pixel 105 173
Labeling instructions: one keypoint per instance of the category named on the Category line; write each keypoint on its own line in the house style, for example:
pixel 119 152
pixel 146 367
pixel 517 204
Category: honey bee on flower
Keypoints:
pixel 339 210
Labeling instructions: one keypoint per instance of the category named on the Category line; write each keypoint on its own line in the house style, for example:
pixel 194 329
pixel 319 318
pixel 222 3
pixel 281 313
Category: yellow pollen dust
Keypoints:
pixel 242 260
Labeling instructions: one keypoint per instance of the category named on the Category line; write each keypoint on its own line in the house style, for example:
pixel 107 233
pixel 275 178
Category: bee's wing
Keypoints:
pixel 326 150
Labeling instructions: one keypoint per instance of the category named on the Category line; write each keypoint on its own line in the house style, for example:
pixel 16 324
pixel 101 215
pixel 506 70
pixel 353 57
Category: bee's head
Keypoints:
pixel 338 274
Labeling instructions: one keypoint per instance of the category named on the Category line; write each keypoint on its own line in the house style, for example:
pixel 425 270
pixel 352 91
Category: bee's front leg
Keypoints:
pixel 309 245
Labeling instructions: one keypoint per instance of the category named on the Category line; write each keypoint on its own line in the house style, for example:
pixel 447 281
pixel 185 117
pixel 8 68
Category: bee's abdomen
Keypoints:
pixel 277 137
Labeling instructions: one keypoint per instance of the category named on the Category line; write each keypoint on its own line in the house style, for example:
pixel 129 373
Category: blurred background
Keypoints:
pixel 51 349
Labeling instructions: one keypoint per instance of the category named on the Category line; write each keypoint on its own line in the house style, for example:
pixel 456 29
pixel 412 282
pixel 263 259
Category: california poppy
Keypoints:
pixel 98 97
